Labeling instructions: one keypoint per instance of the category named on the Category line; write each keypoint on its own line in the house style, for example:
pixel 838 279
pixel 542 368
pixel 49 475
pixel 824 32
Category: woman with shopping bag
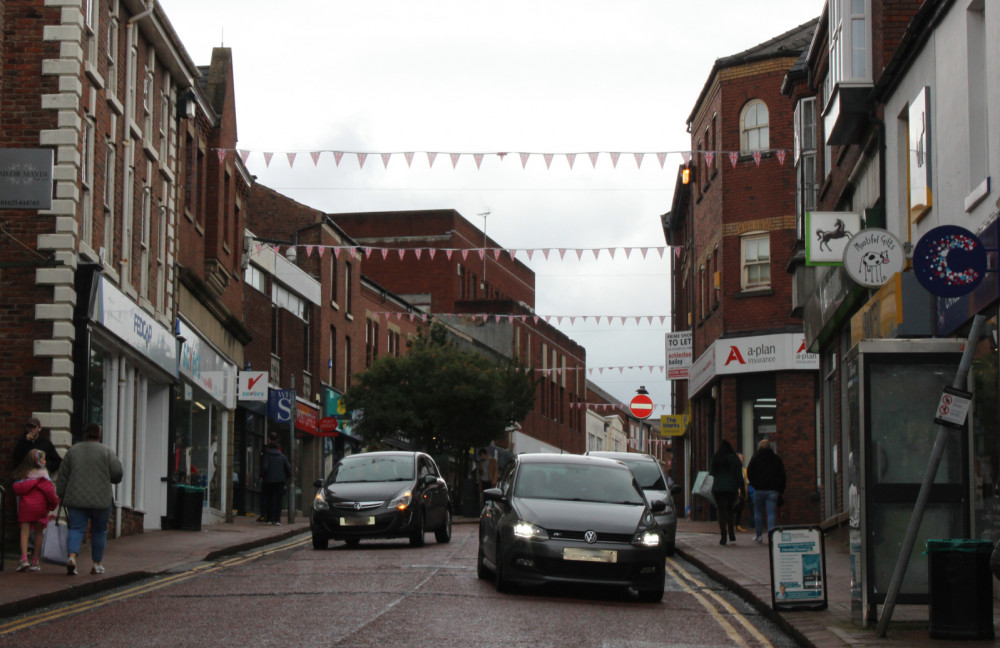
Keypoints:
pixel 36 498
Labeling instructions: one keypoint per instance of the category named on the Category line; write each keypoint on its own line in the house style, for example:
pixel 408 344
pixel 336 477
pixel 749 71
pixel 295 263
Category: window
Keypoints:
pixel 275 331
pixel 850 49
pixel 255 278
pixel 347 361
pixel 347 289
pixel 144 232
pixel 702 166
pixel 331 361
pixel 87 181
pixel 333 281
pixel 977 102
pixel 164 127
pixel 90 24
pixel 109 202
pixel 754 127
pixel 716 277
pixel 804 152
pixel 112 51
pixel 756 261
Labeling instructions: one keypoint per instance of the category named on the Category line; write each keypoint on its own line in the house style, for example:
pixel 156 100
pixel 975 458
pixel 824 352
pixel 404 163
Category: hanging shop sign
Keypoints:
pixel 306 418
pixel 827 234
pixel 949 261
pixel 679 355
pixel 252 386
pixel 672 425
pixel 954 312
pixel 872 256
pixel 25 178
pixel 280 403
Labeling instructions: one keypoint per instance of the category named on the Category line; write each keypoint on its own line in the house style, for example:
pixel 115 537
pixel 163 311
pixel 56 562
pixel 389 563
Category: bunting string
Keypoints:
pixel 477 253
pixel 708 156
pixel 509 318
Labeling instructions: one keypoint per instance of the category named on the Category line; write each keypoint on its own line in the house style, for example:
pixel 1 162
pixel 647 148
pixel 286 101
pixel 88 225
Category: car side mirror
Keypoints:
pixel 318 483
pixel 493 495
pixel 429 479
pixel 658 505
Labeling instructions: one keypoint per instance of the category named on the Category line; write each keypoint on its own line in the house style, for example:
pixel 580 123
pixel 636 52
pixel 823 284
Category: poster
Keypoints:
pixel 798 568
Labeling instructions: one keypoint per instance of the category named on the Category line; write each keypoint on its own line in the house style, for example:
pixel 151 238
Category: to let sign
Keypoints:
pixel 641 406
pixel 679 355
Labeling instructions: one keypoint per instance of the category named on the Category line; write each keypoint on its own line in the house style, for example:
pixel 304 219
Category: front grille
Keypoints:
pixel 577 536
pixel 356 506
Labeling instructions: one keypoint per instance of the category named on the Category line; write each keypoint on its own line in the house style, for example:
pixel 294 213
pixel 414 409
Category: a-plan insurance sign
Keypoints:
pixel 758 353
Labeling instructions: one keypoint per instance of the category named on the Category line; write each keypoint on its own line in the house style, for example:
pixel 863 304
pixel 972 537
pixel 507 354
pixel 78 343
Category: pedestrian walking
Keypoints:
pixel 766 474
pixel 275 471
pixel 727 488
pixel 486 470
pixel 36 438
pixel 36 497
pixel 84 483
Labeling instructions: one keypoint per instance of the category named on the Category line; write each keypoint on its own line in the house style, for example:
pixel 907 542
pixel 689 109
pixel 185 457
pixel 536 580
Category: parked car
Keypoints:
pixel 650 476
pixel 560 518
pixel 381 495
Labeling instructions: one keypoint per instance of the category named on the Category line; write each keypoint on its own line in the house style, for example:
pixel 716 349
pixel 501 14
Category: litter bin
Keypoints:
pixel 187 507
pixel 961 588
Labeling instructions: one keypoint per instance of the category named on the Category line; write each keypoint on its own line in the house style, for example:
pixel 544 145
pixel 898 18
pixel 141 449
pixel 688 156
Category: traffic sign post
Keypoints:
pixel 641 406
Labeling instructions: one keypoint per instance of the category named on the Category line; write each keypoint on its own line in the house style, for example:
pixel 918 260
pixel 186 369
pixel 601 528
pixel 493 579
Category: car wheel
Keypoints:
pixel 671 549
pixel 652 595
pixel 320 542
pixel 502 583
pixel 481 571
pixel 443 534
pixel 352 542
pixel 417 529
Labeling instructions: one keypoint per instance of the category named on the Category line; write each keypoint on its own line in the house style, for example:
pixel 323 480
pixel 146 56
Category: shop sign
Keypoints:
pixel 673 425
pixel 279 405
pixel 253 386
pixel 306 419
pixel 206 367
pixel 954 312
pixel 798 568
pixel 754 354
pixel 873 256
pixel 679 355
pixel 113 310
pixel 827 234
pixel 949 261
pixel 25 178
pixel 328 426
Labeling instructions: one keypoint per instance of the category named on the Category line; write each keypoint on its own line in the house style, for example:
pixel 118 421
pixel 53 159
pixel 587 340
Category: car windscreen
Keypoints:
pixel 647 473
pixel 577 483
pixel 360 468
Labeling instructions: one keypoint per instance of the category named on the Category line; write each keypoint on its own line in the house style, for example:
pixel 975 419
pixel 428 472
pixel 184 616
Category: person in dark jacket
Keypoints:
pixel 727 488
pixel 766 474
pixel 275 471
pixel 36 439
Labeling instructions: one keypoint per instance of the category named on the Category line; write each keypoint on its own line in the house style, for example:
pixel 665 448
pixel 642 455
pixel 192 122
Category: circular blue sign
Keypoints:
pixel 949 261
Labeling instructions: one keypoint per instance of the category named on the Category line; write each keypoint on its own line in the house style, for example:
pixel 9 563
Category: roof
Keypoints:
pixel 792 43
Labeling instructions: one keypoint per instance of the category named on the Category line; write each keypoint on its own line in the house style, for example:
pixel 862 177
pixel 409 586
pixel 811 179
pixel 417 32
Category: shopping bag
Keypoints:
pixel 54 546
pixel 703 486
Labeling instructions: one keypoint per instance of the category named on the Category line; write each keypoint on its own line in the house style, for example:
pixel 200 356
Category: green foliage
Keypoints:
pixel 439 396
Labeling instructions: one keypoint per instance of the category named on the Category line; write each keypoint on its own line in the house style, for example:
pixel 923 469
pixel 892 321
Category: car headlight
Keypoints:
pixel 646 539
pixel 319 502
pixel 402 501
pixel 529 531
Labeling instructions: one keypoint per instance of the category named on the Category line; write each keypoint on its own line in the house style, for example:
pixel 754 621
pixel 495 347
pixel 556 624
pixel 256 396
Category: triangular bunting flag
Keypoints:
pixel 315 157
pixel 496 253
pixel 465 254
pixel 447 253
pixel 320 249
pixel 244 154
pixel 454 159
pixel 548 160
pixel 529 251
pixel 408 156
pixel 733 158
pixel 431 252
pixel 686 157
pixel 309 251
pixel 628 251
pixel 524 159
pixel 385 160
pixel 361 159
pixel 222 155
pixel 638 159
pixel 482 253
pixel 336 253
pixel 478 157
pixel 662 158
pixel 402 251
pixel 756 157
pixel 562 253
pixel 267 159
pixel 611 251
pixel 430 158
pixel 709 158
pixel 593 159
pixel 337 155
pixel 614 160
pixel 418 251
pixel 571 158
pixel 291 159
pixel 781 156
pixel 385 253
pixel 579 254
pixel 644 251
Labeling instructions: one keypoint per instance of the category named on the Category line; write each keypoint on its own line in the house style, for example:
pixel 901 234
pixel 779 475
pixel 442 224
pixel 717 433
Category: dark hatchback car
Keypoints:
pixel 650 476
pixel 381 495
pixel 571 519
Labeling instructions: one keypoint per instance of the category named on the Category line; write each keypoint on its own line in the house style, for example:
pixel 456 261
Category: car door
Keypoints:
pixel 493 513
pixel 434 493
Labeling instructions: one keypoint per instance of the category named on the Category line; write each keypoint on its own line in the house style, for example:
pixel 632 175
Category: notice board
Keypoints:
pixel 798 568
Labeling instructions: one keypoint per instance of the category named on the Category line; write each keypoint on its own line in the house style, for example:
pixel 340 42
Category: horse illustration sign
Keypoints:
pixel 827 234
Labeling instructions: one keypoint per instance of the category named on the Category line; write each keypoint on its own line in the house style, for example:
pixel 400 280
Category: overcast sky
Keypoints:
pixel 471 76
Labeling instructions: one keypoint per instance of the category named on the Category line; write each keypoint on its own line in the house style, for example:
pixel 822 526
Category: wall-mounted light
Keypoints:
pixel 685 175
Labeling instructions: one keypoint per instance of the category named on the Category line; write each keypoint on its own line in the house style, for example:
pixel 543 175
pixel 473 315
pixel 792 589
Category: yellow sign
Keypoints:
pixel 672 425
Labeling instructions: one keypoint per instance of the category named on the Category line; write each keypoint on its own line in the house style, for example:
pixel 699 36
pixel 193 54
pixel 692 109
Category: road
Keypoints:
pixel 386 594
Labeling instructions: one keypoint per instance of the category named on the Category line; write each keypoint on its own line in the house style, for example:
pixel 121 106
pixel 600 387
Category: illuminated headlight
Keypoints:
pixel 529 531
pixel 401 501
pixel 646 539
pixel 319 503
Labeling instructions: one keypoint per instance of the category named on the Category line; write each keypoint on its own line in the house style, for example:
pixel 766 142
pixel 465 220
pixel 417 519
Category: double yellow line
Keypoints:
pixel 702 595
pixel 138 590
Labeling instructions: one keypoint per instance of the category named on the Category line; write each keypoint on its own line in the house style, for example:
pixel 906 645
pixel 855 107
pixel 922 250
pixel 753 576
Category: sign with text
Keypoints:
pixel 252 386
pixel 679 355
pixel 798 568
pixel 280 403
pixel 756 353
pixel 672 425
pixel 25 178
pixel 872 256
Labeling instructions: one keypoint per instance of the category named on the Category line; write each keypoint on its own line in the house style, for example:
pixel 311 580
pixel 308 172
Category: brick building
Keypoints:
pixel 733 218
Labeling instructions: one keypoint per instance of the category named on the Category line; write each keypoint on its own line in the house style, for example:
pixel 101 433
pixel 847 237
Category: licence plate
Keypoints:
pixel 358 521
pixel 590 555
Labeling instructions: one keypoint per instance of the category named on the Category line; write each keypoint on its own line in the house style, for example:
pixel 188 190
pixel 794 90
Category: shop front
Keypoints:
pixel 127 363
pixel 203 416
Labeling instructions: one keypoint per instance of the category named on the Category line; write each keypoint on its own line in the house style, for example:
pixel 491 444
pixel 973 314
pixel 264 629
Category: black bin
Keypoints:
pixel 961 589
pixel 187 507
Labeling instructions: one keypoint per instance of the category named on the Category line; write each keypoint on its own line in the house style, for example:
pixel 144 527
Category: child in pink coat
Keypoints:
pixel 36 497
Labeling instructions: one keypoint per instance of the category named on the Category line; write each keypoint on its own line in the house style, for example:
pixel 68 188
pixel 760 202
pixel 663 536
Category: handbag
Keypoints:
pixel 55 547
pixel 703 486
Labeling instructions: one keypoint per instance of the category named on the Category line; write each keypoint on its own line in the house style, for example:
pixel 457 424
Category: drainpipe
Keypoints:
pixel 136 18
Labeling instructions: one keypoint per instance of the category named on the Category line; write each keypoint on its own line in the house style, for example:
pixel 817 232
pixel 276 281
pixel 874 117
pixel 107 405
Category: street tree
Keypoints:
pixel 439 396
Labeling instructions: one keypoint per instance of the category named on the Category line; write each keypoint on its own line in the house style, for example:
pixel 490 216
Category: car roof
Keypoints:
pixel 622 456
pixel 385 453
pixel 574 459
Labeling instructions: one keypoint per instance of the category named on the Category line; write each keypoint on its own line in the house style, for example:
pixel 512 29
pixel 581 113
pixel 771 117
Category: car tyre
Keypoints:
pixel 417 529
pixel 652 595
pixel 443 533
pixel 481 571
pixel 320 541
pixel 502 583
pixel 352 542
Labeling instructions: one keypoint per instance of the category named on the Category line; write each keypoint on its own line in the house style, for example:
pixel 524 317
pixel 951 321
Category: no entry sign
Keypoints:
pixel 641 406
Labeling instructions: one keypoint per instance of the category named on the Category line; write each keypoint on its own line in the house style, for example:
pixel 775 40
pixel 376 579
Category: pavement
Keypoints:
pixel 742 566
